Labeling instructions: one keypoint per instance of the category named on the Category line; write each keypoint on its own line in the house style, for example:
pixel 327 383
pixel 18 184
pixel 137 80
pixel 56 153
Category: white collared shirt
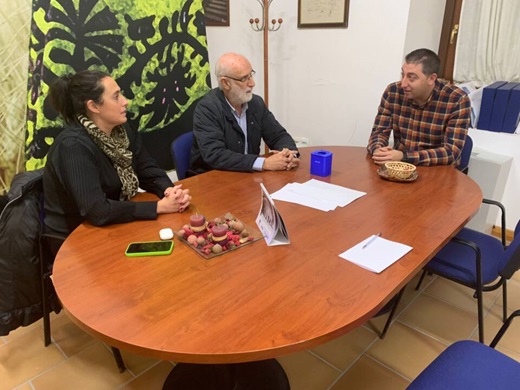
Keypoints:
pixel 242 122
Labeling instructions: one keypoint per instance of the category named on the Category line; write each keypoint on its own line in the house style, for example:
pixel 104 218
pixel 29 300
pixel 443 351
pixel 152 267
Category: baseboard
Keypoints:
pixel 497 232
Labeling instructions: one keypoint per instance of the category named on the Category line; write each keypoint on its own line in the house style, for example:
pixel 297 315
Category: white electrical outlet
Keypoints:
pixel 301 142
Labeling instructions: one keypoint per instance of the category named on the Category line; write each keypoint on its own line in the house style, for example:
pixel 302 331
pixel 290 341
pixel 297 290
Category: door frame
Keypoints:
pixel 448 40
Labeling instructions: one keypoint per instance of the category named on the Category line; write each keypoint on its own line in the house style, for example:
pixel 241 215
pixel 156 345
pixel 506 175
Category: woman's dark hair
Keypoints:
pixel 69 94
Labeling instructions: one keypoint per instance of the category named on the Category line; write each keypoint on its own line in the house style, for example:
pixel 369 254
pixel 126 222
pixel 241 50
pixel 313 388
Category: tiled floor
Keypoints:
pixel 427 322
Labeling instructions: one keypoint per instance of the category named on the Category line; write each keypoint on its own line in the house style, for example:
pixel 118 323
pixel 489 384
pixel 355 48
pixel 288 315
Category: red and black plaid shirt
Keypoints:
pixel 433 134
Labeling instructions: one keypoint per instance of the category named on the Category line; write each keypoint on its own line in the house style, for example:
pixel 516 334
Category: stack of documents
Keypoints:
pixel 375 253
pixel 317 194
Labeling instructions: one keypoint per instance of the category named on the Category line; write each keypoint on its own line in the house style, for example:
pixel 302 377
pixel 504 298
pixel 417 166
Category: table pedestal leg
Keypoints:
pixel 261 375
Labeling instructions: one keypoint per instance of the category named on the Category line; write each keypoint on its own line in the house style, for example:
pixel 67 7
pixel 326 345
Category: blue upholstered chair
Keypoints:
pixel 465 155
pixel 479 261
pixel 181 151
pixel 470 365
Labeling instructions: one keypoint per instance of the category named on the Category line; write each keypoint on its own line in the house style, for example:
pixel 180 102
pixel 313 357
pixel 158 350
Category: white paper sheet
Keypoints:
pixel 317 194
pixel 377 255
pixel 286 195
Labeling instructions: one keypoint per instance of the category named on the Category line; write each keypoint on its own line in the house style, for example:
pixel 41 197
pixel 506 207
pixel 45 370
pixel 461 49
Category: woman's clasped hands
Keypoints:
pixel 175 200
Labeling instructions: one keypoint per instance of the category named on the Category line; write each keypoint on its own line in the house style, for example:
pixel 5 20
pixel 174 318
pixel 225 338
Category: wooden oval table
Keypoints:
pixel 259 302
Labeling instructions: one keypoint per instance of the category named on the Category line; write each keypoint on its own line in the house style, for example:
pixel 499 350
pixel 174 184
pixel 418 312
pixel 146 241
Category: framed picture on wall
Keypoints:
pixel 216 12
pixel 322 13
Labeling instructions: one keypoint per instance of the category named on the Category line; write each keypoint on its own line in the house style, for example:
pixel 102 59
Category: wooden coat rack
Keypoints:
pixel 262 25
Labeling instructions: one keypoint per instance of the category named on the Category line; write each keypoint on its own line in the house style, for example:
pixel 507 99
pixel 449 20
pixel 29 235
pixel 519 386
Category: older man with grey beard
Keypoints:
pixel 230 122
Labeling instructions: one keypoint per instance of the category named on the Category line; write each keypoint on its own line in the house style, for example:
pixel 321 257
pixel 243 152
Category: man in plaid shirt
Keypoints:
pixel 429 117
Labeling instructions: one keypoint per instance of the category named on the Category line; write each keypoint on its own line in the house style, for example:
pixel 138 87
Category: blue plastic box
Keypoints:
pixel 321 163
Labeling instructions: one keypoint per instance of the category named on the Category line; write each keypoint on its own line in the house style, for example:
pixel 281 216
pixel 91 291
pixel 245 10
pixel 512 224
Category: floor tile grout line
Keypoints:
pixel 442 341
pixel 416 295
pixel 435 337
pixel 360 354
pixel 509 350
pixel 58 364
pixel 343 372
pixel 390 368
pixel 473 333
pixel 324 360
pixel 28 381
pixel 53 341
pixel 400 312
pixel 418 330
pixel 485 293
pixel 142 373
pixel 364 354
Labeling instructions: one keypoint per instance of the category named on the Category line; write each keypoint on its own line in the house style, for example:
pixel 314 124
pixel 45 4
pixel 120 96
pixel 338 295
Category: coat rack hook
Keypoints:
pixel 255 23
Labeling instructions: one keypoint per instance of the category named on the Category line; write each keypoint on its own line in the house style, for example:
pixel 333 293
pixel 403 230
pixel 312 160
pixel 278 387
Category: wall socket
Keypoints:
pixel 301 142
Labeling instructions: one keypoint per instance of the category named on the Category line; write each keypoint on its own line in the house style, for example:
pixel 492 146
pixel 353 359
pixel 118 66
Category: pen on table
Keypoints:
pixel 371 240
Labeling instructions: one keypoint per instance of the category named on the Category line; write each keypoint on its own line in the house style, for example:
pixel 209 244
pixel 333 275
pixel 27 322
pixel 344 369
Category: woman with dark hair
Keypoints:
pixel 97 163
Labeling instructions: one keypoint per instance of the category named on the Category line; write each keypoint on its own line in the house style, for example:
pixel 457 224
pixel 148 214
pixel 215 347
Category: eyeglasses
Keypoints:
pixel 243 79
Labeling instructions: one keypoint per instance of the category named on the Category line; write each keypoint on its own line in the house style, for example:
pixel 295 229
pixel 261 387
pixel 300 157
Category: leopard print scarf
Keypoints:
pixel 115 148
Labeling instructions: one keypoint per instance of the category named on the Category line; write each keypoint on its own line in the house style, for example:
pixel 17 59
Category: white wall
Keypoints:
pixel 424 24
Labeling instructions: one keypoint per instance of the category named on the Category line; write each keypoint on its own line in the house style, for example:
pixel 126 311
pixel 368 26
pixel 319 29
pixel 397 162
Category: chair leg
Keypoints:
pixel 119 359
pixel 503 329
pixel 44 275
pixel 504 301
pixel 480 305
pixel 480 315
pixel 421 279
pixel 46 312
pixel 392 313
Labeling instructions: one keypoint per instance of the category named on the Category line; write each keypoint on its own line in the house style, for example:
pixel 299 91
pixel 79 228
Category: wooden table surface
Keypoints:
pixel 259 302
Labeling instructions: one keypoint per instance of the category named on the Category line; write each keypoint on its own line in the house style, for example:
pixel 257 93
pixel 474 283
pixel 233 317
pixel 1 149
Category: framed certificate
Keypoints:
pixel 322 13
pixel 216 12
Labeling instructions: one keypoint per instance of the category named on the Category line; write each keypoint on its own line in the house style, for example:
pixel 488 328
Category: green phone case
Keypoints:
pixel 149 248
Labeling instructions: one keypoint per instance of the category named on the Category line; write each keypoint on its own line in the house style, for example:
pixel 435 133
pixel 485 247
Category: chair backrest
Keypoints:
pixel 513 256
pixel 181 151
pixel 465 155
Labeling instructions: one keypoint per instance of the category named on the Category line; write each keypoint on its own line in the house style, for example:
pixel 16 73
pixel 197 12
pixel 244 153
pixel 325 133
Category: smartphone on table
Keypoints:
pixel 149 248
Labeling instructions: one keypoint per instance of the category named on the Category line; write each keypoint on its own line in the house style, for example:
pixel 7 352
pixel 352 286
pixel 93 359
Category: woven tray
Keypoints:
pixel 382 172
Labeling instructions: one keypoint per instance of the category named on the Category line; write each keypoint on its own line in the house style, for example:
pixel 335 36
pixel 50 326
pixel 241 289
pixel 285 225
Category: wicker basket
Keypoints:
pixel 399 170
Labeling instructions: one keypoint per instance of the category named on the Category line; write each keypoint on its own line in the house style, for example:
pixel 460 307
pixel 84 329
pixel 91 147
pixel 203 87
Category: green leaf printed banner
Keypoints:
pixel 155 50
